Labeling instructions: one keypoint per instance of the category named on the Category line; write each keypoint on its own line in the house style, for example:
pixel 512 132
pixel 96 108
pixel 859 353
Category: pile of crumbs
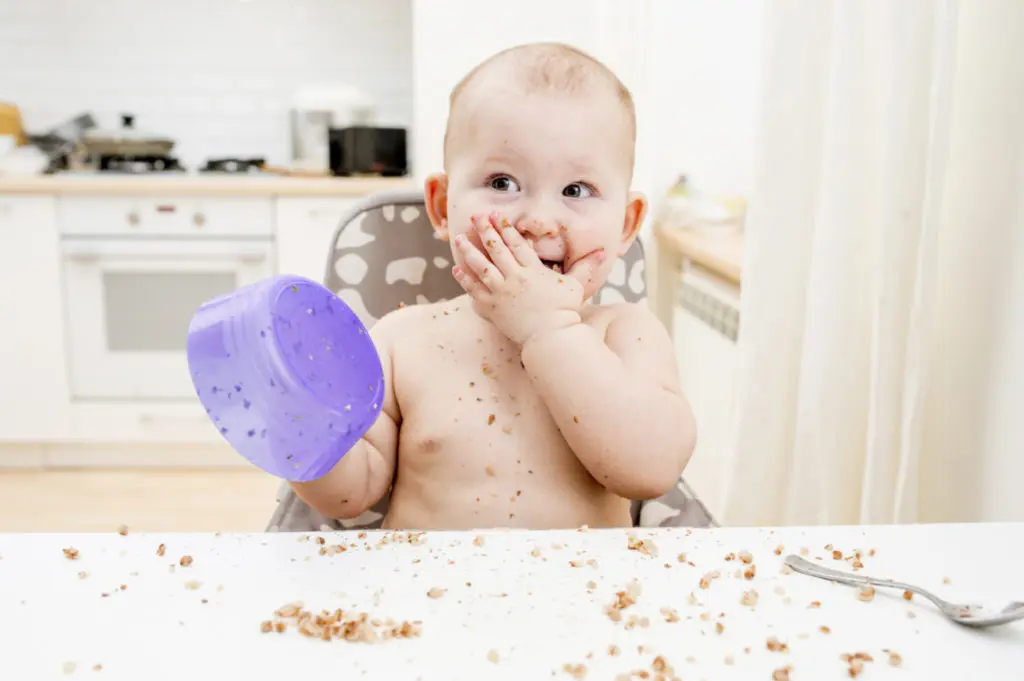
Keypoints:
pixel 339 625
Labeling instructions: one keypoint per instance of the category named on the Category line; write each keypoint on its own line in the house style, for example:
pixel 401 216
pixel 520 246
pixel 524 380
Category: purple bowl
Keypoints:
pixel 288 374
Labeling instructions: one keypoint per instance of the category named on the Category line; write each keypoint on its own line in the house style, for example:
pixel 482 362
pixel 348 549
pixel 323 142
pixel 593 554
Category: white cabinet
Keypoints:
pixel 305 228
pixel 703 329
pixel 33 386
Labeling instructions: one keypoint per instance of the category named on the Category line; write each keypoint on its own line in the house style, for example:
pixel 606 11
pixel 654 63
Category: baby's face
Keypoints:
pixel 557 166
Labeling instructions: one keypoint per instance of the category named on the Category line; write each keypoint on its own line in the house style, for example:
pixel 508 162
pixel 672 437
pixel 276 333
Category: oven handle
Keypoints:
pixel 85 252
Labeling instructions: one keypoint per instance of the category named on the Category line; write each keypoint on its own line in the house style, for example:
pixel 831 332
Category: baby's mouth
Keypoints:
pixel 554 265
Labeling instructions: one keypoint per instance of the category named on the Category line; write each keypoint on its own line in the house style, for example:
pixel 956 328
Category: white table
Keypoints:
pixel 516 607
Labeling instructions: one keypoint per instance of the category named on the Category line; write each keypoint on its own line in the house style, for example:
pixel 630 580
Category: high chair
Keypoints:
pixel 384 255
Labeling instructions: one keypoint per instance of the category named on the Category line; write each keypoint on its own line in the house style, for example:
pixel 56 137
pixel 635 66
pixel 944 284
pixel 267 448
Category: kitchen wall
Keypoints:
pixel 693 68
pixel 216 75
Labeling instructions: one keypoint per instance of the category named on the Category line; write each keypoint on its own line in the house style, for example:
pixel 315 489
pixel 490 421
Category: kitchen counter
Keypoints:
pixel 504 605
pixel 187 184
pixel 719 250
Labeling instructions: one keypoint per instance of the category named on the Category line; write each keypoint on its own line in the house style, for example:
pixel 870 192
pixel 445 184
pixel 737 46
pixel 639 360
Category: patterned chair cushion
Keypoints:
pixel 386 255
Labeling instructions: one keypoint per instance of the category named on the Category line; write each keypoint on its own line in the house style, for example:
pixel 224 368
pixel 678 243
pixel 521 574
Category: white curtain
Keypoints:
pixel 890 135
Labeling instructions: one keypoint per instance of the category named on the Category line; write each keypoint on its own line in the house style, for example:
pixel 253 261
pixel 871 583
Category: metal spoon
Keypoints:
pixel 967 615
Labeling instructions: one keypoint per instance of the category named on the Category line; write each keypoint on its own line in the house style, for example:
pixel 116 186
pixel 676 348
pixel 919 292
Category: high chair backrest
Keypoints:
pixel 384 255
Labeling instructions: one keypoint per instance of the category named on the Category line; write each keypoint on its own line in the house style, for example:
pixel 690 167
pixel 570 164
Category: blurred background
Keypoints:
pixel 853 171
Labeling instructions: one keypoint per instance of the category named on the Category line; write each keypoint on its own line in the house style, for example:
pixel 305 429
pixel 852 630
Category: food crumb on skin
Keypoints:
pixel 490 471
pixel 490 419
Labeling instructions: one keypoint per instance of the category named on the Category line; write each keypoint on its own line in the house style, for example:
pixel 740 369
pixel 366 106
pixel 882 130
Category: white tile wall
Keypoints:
pixel 216 75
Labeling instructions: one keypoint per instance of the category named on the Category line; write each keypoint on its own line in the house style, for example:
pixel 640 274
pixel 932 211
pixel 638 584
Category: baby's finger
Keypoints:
pixel 521 248
pixel 495 245
pixel 585 269
pixel 469 283
pixel 477 263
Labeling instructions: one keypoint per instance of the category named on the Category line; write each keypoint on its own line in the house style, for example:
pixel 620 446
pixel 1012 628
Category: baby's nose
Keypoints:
pixel 538 228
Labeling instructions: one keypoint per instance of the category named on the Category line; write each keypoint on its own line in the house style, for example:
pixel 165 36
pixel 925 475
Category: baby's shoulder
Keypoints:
pixel 410 321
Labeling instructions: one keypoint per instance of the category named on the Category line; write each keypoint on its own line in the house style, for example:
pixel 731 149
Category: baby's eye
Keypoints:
pixel 577 190
pixel 503 183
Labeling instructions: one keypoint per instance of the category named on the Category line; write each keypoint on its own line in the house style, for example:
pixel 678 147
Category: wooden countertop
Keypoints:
pixel 718 249
pixel 198 185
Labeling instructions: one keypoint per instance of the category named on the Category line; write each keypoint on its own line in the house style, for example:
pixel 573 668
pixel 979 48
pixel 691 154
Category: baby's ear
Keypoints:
pixel 435 192
pixel 636 211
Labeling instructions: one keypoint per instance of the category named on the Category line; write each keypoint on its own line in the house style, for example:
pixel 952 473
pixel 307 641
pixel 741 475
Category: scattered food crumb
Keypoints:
pixel 193 584
pixel 623 599
pixel 907 595
pixel 785 569
pixel 613 650
pixel 804 551
pixel 824 629
pixel 436 592
pixel 185 561
pixel 122 530
pixel 778 550
pixel 815 604
pixel 161 549
pixel 492 656
pixel 576 671
pixel 781 674
pixel 947 580
pixel 339 625
pixel 670 614
pixel 719 627
pixel 895 659
pixel 746 557
pixel 478 540
pixel 866 593
pixel 643 546
pixel 837 554
pixel 750 572
pixel 776 646
pixel 749 598
pixel 681 557
pixel 97 667
pixel 71 553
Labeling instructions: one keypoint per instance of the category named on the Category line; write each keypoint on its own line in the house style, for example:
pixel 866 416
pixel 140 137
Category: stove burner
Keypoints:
pixel 234 165
pixel 139 164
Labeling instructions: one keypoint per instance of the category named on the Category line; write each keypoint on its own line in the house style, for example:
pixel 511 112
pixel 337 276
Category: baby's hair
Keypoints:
pixel 545 67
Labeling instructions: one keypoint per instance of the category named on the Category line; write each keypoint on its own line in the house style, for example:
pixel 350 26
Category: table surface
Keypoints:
pixel 504 605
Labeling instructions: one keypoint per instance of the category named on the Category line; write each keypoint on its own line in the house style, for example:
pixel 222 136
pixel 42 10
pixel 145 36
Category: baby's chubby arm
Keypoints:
pixel 617 400
pixel 364 474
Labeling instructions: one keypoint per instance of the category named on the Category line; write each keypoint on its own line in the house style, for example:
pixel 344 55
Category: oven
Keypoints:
pixel 135 270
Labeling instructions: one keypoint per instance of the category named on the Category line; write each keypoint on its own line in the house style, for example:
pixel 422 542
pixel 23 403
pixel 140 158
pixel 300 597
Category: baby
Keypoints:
pixel 521 404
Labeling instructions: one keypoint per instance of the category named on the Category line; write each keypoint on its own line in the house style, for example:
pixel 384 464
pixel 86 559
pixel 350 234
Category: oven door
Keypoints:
pixel 129 303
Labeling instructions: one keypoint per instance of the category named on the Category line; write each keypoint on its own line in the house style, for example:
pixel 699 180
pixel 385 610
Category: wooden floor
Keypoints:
pixel 180 500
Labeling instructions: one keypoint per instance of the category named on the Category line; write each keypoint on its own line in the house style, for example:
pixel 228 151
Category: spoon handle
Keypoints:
pixel 806 567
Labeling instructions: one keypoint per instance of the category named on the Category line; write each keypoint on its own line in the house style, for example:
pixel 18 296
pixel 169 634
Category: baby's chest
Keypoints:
pixel 465 390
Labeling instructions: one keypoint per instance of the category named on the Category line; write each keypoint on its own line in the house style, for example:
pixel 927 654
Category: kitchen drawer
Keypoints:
pixel 165 216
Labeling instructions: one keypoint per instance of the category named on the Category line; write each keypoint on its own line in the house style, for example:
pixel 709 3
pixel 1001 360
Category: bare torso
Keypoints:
pixel 477 446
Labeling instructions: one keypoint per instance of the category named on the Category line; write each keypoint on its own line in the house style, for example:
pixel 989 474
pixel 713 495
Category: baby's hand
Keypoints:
pixel 512 287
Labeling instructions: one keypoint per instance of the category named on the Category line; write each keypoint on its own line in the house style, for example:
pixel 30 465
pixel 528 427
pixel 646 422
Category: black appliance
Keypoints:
pixel 368 150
